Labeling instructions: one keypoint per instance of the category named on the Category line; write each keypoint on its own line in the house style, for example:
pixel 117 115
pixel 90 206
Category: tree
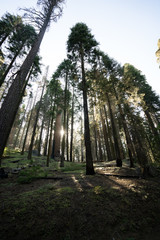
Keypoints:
pixel 19 43
pixel 8 24
pixel 55 92
pixel 81 44
pixel 13 99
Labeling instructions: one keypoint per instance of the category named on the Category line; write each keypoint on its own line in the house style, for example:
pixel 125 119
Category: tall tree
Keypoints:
pixel 13 99
pixel 81 44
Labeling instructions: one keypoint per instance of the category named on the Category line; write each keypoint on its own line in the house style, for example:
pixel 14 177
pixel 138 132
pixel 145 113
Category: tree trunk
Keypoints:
pixel 118 156
pixel 20 127
pixel 67 137
pixel 109 135
pixel 13 99
pixel 105 137
pixel 35 123
pixel 50 139
pixel 72 124
pixel 89 160
pixel 40 136
pixel 99 146
pixel 46 139
pixel 57 135
pixel 64 123
pixel 26 134
pixel 82 145
pixel 23 115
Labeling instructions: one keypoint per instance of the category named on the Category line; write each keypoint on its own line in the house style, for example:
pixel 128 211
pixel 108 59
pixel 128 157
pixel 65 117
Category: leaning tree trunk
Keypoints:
pixel 11 103
pixel 89 159
pixel 118 156
pixel 21 124
pixel 131 151
pixel 28 125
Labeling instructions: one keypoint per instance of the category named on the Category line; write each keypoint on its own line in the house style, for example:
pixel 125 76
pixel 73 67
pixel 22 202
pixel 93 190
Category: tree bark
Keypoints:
pixel 72 124
pixel 89 159
pixel 57 135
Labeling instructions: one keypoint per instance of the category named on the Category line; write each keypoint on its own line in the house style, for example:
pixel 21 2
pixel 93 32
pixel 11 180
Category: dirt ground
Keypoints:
pixel 73 206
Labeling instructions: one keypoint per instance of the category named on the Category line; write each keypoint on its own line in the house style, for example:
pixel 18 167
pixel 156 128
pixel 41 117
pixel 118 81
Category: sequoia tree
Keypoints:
pixel 80 45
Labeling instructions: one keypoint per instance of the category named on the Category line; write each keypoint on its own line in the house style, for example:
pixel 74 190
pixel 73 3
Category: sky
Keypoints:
pixel 127 30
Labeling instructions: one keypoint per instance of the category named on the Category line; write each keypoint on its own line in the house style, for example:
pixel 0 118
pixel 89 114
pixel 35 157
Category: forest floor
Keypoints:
pixel 64 204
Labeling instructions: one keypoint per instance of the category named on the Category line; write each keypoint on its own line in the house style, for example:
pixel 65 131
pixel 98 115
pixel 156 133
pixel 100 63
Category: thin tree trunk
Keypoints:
pixel 99 146
pixel 95 135
pixel 118 156
pixel 46 139
pixel 35 124
pixel 82 145
pixel 64 123
pixel 67 137
pixel 24 113
pixel 89 159
pixel 29 121
pixel 131 151
pixel 109 135
pixel 105 137
pixel 40 136
pixel 72 124
pixel 20 127
pixel 50 139
pixel 57 136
